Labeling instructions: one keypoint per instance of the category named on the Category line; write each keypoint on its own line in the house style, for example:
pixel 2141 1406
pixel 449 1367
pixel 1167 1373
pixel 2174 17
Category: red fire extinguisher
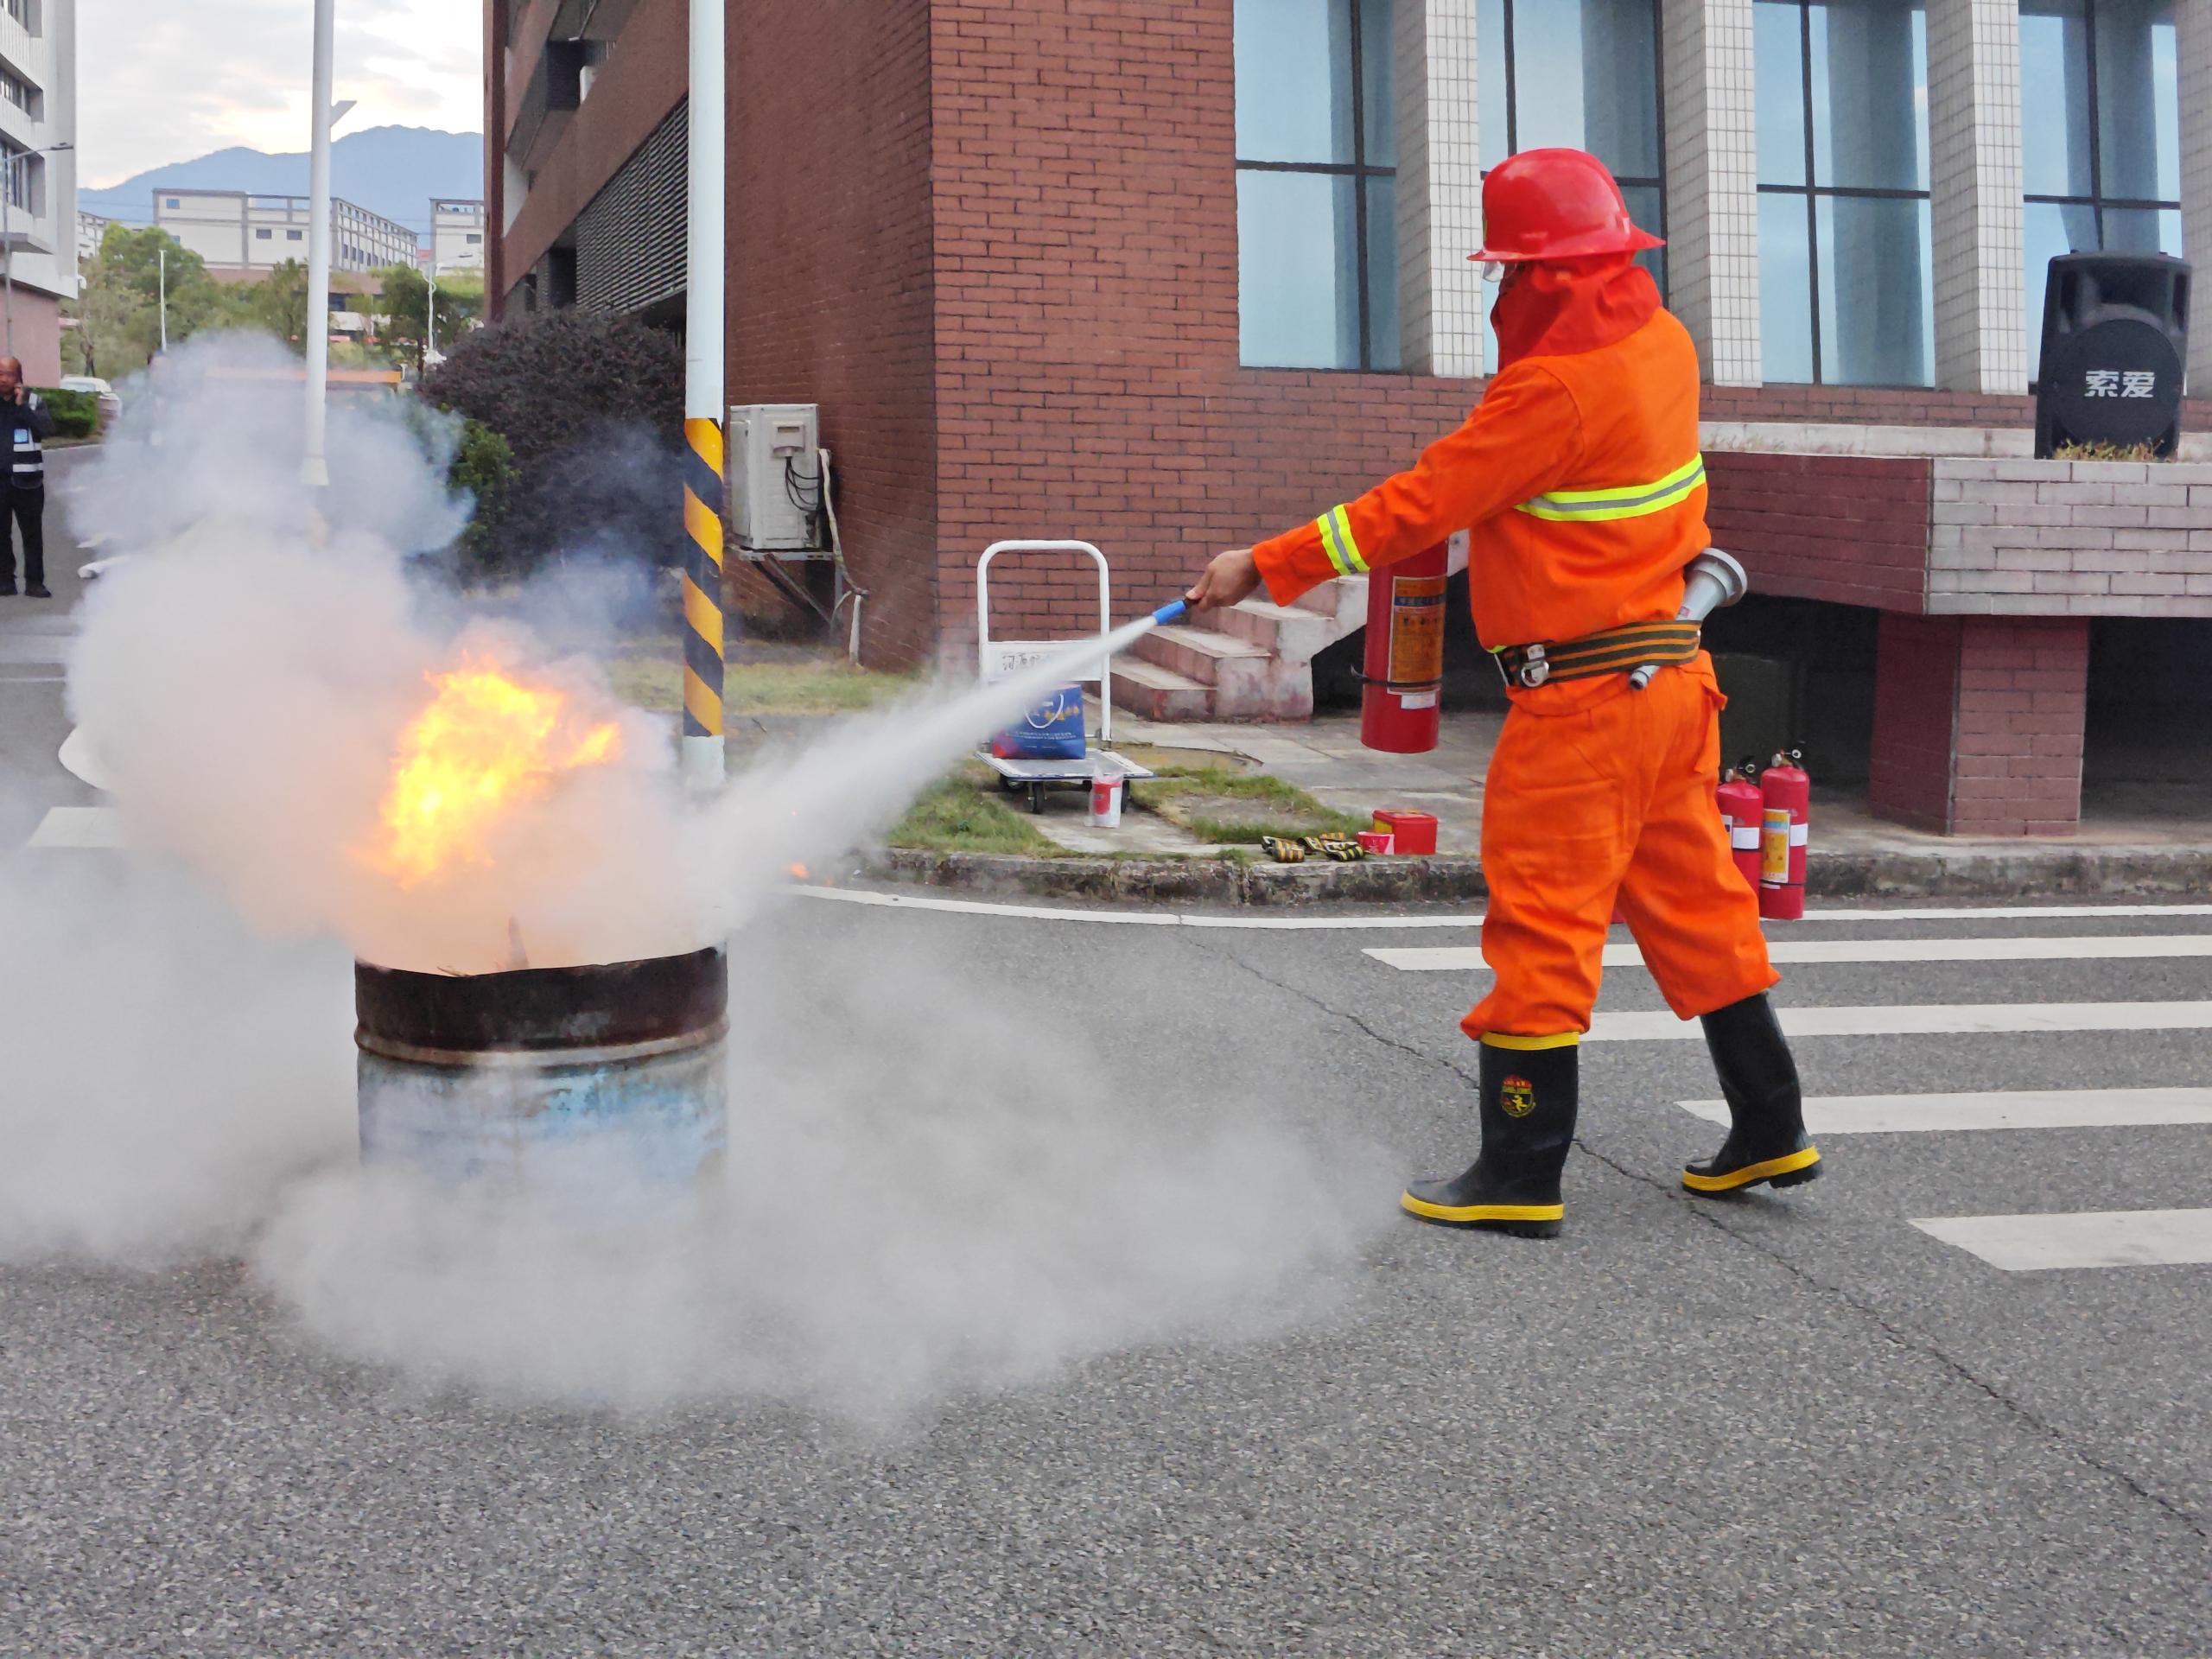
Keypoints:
pixel 1743 811
pixel 1400 697
pixel 1786 795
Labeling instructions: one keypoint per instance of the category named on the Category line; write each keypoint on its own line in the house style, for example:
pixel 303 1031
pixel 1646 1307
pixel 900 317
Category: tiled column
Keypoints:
pixel 1974 160
pixel 1439 189
pixel 1977 723
pixel 1712 204
pixel 2192 20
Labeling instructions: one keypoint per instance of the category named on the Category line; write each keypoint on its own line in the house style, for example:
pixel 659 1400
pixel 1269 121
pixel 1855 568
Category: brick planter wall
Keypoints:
pixel 1977 723
pixel 2070 539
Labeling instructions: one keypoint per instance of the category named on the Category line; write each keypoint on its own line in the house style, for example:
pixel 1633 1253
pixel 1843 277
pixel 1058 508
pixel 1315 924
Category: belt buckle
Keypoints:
pixel 1534 668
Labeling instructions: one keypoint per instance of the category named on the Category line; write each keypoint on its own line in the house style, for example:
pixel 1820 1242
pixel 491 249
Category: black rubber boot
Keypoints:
pixel 1766 1106
pixel 1528 1105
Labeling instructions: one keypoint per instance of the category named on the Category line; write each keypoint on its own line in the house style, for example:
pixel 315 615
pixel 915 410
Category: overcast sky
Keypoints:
pixel 165 80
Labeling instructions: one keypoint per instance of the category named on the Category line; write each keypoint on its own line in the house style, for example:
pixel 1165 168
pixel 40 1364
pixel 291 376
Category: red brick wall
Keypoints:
pixel 2023 692
pixel 1977 723
pixel 1088 381
pixel 1060 357
pixel 1850 530
pixel 830 296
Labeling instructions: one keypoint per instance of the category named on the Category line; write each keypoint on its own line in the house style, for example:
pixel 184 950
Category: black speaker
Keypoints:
pixel 2115 340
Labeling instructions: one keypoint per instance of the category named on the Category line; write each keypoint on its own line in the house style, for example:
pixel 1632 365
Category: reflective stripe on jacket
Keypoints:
pixel 27 422
pixel 1580 476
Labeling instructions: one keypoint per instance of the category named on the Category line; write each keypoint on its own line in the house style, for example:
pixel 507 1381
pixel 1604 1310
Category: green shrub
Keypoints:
pixel 591 405
pixel 76 414
pixel 484 465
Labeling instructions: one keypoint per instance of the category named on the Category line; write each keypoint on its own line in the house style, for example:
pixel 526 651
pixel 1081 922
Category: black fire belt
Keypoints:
pixel 1617 650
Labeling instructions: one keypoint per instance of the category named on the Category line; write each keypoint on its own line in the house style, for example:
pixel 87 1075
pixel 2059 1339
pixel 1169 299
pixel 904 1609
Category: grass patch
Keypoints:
pixel 2108 452
pixel 967 812
pixel 832 686
pixel 1238 808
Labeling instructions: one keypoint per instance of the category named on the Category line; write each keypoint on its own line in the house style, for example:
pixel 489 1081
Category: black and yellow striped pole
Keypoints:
pixel 703 600
pixel 706 252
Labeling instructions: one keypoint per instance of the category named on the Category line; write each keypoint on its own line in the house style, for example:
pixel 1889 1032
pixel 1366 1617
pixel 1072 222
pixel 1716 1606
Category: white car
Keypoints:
pixel 110 405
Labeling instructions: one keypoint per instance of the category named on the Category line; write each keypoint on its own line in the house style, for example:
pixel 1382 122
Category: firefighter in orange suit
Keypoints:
pixel 1580 476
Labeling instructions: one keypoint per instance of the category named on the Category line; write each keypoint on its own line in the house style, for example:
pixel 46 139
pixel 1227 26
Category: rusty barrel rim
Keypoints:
pixel 565 1015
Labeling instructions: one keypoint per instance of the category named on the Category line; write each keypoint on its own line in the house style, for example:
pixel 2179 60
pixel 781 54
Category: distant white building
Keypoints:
pixel 38 135
pixel 91 229
pixel 235 231
pixel 456 236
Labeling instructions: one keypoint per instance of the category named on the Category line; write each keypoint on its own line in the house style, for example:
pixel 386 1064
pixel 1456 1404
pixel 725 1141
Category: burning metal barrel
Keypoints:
pixel 585 1084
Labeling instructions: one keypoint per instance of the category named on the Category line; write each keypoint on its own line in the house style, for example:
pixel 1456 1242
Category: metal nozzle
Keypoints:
pixel 1713 582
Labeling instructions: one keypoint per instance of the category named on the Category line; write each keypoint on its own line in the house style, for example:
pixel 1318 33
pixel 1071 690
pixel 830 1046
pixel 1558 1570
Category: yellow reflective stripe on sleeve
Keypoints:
pixel 1627 501
pixel 1338 543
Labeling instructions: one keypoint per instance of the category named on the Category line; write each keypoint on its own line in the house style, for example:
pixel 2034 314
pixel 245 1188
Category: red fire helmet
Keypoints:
pixel 1555 204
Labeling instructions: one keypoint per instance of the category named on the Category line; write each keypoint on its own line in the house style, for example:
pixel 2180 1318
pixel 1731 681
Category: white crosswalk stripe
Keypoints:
pixel 78 827
pixel 1921 1019
pixel 2105 1238
pixel 2035 1108
pixel 1421 959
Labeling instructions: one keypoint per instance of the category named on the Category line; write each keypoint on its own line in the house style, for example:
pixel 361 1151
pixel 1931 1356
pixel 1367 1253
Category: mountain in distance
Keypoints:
pixel 394 171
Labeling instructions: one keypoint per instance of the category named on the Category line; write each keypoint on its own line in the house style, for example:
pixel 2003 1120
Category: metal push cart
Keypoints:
pixel 998 660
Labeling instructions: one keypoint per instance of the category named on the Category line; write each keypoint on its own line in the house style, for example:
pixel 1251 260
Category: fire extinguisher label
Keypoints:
pixel 1774 846
pixel 1416 630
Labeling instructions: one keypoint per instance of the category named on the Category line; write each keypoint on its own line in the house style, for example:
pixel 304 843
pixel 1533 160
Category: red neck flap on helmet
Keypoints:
pixel 1558 307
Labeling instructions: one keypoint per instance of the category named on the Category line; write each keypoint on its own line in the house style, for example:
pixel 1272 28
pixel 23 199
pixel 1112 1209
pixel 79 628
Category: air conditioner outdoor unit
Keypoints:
pixel 775 478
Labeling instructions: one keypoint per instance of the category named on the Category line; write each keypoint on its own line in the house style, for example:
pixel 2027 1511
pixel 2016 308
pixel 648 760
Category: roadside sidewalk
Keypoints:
pixel 1148 859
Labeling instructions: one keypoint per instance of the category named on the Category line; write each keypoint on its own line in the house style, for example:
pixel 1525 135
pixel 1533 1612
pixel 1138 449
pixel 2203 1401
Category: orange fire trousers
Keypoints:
pixel 1597 793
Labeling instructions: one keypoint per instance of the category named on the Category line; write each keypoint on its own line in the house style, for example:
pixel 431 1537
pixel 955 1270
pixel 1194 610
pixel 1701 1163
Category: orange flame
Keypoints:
pixel 485 744
pixel 798 872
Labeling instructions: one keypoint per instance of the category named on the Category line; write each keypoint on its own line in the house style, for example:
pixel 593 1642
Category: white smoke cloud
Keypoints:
pixel 923 1193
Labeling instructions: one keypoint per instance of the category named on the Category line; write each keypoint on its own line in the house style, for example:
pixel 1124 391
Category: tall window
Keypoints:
pixel 2101 148
pixel 1846 275
pixel 1317 189
pixel 1583 74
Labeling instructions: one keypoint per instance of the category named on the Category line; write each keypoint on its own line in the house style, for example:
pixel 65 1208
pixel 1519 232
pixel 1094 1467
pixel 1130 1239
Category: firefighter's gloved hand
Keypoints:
pixel 1232 577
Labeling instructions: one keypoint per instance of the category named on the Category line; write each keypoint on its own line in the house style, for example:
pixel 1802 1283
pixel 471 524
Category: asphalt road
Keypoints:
pixel 1789 1425
pixel 34 636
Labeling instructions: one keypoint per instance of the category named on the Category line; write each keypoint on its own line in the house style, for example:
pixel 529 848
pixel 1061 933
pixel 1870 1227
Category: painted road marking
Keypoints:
pixel 1423 959
pixel 2023 1109
pixel 2103 1238
pixel 1470 919
pixel 1914 1018
pixel 78 827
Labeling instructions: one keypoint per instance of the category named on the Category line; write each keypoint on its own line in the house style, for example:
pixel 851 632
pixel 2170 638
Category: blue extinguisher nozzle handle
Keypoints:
pixel 1170 614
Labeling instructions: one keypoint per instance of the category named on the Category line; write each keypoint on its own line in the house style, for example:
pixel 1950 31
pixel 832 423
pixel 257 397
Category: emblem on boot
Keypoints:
pixel 1517 1095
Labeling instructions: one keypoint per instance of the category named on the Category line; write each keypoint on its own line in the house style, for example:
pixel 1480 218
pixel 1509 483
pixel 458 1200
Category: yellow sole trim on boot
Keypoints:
pixel 1787 1164
pixel 1481 1211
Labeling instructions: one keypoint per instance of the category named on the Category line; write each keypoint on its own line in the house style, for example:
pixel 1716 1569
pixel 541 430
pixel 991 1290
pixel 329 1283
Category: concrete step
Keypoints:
pixel 1288 632
pixel 1152 692
pixel 1344 599
pixel 1201 654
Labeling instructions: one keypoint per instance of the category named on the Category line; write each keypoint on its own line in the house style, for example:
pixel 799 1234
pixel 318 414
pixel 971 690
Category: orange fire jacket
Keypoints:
pixel 1580 477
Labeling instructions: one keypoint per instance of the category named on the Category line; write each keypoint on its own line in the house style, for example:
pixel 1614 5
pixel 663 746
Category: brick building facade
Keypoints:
pixel 1007 248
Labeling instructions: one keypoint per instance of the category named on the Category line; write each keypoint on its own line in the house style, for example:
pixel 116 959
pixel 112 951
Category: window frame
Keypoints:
pixel 1659 105
pixel 1361 173
pixel 1812 190
pixel 2096 201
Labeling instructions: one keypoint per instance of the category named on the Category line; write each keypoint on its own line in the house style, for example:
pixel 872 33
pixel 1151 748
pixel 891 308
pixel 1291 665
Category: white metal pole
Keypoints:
pixel 704 505
pixel 315 470
pixel 8 248
pixel 430 349
pixel 162 256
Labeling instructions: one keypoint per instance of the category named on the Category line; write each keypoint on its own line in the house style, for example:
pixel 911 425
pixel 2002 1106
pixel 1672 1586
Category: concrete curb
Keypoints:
pixel 2044 871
